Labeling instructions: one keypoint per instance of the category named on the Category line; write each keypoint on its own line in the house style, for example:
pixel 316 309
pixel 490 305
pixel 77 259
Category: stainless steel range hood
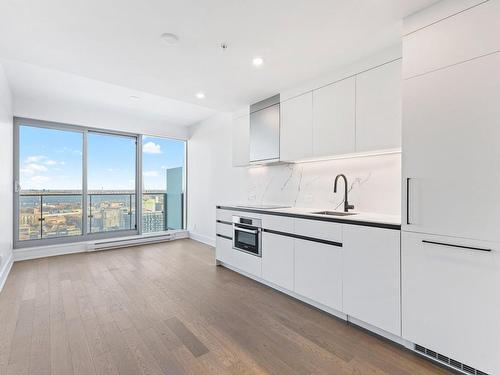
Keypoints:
pixel 265 131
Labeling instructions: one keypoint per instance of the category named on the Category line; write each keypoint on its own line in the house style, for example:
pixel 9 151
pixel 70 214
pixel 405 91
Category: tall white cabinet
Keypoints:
pixel 450 241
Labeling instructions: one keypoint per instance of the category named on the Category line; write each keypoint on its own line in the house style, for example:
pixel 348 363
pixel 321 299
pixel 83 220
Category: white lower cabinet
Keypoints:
pixel 224 250
pixel 451 298
pixel 318 272
pixel 277 259
pixel 371 276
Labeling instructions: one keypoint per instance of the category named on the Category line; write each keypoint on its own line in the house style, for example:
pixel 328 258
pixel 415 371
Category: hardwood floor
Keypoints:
pixel 166 309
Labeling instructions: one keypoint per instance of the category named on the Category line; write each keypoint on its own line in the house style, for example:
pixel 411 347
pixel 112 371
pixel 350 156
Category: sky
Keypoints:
pixel 52 160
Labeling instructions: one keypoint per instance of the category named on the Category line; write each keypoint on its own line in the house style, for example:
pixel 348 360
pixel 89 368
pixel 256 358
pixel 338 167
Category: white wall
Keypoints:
pixel 374 181
pixel 86 114
pixel 6 180
pixel 211 177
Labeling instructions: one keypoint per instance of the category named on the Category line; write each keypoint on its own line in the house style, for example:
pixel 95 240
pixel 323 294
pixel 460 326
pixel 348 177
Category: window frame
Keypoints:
pixel 85 236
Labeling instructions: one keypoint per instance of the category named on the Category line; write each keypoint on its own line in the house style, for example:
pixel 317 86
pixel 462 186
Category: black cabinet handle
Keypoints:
pixel 459 246
pixel 408 201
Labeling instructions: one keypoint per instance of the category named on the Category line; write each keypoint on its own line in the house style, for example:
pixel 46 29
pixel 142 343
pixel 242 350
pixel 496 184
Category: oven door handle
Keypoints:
pixel 253 231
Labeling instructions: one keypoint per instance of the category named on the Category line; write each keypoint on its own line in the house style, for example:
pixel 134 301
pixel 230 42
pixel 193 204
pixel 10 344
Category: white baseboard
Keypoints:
pixel 28 253
pixel 5 270
pixel 201 238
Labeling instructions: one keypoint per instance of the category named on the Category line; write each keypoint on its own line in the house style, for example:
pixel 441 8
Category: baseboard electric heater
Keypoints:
pixel 115 244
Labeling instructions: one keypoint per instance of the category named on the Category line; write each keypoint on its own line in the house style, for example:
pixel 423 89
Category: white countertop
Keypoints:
pixel 368 217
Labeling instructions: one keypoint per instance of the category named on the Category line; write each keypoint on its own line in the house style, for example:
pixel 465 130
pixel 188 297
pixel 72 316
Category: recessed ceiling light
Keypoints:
pixel 258 61
pixel 170 39
pixel 200 95
pixel 134 97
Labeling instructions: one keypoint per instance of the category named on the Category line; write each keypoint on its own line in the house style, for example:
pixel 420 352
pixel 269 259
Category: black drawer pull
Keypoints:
pixel 459 246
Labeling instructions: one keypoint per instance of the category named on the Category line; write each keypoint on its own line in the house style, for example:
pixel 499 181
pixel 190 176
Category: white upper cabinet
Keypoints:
pixel 361 113
pixel 371 276
pixel 450 143
pixel 456 39
pixel 378 108
pixel 296 128
pixel 333 128
pixel 240 144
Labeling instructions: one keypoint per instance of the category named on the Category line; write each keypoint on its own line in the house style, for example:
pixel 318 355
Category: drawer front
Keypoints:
pixel 322 230
pixel 225 215
pixel 278 223
pixel 247 263
pixel 225 229
pixel 456 39
pixel 224 250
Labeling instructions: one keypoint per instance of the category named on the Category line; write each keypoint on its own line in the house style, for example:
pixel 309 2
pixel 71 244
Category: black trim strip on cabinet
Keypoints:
pixel 222 236
pixel 298 236
pixel 318 218
pixel 459 246
pixel 224 222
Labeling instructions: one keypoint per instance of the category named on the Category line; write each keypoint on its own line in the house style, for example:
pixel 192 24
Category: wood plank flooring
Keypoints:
pixel 166 309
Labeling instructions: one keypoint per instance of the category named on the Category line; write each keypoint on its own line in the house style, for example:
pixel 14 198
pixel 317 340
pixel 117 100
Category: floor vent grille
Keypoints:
pixel 448 361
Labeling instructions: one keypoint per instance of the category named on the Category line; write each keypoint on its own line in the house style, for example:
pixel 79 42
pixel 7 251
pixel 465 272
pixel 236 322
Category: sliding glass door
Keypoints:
pixel 111 181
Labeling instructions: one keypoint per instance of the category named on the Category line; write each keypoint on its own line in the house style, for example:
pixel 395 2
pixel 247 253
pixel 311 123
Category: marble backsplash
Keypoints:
pixel 374 184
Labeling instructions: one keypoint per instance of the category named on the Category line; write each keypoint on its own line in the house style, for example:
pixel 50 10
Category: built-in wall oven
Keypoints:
pixel 247 235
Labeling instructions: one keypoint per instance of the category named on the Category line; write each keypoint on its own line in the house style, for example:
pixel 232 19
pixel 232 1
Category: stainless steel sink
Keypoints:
pixel 333 213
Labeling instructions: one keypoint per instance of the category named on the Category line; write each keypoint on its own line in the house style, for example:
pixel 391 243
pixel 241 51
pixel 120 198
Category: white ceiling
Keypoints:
pixel 29 82
pixel 118 41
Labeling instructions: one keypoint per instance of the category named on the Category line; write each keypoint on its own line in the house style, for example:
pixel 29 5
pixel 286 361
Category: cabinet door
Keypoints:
pixel 318 272
pixel 241 139
pixel 464 36
pixel 451 133
pixel 296 128
pixel 334 118
pixel 371 276
pixel 224 250
pixel 451 301
pixel 277 260
pixel 378 108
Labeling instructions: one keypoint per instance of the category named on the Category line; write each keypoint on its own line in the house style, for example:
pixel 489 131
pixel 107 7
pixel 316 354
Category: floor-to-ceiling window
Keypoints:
pixel 76 183
pixel 163 179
